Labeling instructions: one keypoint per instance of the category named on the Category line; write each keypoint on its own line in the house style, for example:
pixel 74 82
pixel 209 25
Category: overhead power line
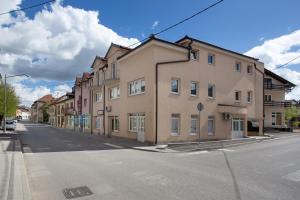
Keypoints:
pixel 285 64
pixel 174 25
pixel 29 7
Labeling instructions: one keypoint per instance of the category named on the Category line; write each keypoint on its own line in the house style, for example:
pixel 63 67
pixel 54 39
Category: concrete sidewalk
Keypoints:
pixel 13 176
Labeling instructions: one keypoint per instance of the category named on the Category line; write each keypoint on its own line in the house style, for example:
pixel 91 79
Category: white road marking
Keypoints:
pixel 113 145
pixel 294 176
pixel 192 153
pixel 229 150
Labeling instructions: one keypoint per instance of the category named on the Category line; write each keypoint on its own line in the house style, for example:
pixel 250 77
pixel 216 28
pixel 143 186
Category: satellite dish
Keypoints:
pixel 200 107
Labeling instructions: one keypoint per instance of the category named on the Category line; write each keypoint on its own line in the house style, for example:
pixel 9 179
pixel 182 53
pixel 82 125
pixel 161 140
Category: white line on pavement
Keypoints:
pixel 229 150
pixel 192 153
pixel 113 145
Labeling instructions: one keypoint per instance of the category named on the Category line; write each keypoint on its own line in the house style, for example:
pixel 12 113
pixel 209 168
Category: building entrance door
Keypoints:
pixel 140 120
pixel 237 128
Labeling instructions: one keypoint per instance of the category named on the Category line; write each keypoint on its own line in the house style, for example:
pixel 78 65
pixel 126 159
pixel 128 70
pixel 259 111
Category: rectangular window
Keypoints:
pixel 194 55
pixel 194 124
pixel 238 66
pixel 249 69
pixel 175 123
pixel 115 92
pixel 268 97
pixel 249 96
pixel 113 70
pixel 211 59
pixel 98 96
pixel 211 91
pixel 237 96
pixel 194 88
pixel 276 119
pixel 137 87
pixel 97 122
pixel 136 122
pixel 84 102
pixel 211 125
pixel 175 86
pixel 115 124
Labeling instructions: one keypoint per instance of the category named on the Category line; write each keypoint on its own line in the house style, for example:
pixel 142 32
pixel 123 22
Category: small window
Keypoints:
pixel 268 97
pixel 211 125
pixel 136 122
pixel 211 91
pixel 238 95
pixel 115 124
pixel 194 88
pixel 113 70
pixel 114 93
pixel 97 122
pixel 249 96
pixel 84 102
pixel 137 87
pixel 249 69
pixel 238 66
pixel 194 55
pixel 194 125
pixel 98 97
pixel 211 59
pixel 175 86
pixel 175 123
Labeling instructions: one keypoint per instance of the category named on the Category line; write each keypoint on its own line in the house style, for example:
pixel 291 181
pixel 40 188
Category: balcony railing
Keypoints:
pixel 277 104
pixel 270 86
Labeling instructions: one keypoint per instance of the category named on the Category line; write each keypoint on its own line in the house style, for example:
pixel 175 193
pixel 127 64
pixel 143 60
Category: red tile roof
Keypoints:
pixel 47 98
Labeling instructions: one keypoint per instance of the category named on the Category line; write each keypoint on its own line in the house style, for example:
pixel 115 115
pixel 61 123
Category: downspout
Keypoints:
pixel 156 86
pixel 103 101
pixel 80 118
pixel 91 107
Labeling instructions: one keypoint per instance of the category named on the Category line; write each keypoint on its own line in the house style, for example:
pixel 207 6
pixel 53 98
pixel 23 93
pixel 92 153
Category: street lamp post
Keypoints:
pixel 4 115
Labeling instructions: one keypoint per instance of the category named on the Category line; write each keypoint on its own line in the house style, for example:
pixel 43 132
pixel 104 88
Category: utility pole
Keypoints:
pixel 4 115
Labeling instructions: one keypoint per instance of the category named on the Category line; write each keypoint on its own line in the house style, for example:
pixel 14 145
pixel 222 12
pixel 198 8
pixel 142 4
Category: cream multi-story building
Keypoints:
pixel 151 92
pixel 275 88
pixel 65 111
pixel 37 108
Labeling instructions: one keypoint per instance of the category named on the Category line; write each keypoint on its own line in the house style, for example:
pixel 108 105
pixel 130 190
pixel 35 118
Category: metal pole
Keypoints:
pixel 199 126
pixel 4 115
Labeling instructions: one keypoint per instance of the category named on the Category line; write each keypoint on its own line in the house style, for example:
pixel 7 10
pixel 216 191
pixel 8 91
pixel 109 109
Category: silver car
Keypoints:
pixel 10 125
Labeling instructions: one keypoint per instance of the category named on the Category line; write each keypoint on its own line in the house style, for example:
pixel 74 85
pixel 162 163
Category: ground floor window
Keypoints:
pixel 115 123
pixel 97 122
pixel 276 118
pixel 136 122
pixel 175 124
pixel 194 124
pixel 211 125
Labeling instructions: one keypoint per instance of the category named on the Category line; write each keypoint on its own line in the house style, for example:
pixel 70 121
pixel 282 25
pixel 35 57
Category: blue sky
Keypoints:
pixel 233 24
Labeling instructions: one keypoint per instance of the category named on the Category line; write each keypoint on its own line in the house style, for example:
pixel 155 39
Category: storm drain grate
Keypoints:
pixel 82 191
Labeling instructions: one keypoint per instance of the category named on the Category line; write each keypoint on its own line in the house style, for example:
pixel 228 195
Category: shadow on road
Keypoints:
pixel 42 138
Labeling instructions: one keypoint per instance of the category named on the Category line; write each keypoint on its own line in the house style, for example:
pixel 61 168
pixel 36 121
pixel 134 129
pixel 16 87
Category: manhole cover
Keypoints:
pixel 82 191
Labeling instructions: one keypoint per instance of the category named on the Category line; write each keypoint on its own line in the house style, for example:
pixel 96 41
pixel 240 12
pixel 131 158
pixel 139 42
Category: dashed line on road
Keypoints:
pixel 113 145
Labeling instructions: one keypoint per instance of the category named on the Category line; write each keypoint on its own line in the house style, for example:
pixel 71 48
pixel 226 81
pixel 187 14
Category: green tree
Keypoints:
pixel 291 114
pixel 12 101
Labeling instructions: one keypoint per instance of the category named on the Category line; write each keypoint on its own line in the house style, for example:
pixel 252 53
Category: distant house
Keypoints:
pixel 23 113
pixel 37 108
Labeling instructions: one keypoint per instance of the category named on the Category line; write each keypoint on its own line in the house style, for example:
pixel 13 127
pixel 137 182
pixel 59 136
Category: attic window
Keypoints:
pixel 194 55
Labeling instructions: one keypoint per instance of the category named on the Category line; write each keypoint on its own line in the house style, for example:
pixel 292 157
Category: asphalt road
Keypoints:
pixel 58 161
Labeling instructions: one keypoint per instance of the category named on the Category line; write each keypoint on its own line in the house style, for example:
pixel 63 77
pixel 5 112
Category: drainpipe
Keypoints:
pixel 81 103
pixel 104 103
pixel 156 86
pixel 91 108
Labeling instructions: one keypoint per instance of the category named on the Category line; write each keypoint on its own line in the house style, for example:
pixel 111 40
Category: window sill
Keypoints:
pixel 175 93
pixel 130 95
pixel 175 134
pixel 193 95
pixel 211 98
pixel 193 134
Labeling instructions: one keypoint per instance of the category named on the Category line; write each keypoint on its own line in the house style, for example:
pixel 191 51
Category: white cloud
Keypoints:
pixel 261 38
pixel 278 51
pixel 61 90
pixel 58 43
pixel 154 25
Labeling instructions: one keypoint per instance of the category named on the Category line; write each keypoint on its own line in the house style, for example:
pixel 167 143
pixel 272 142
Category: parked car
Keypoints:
pixel 10 125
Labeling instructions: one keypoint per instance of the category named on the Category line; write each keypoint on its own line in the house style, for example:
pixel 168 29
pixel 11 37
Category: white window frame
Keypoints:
pixel 178 85
pixel 213 92
pixel 251 69
pixel 240 66
pixel 239 93
pixel 194 119
pixel 213 59
pixel 113 70
pixel 135 117
pixel 194 55
pixel 249 96
pixel 114 92
pixel 196 83
pixel 98 96
pixel 211 118
pixel 137 87
pixel 175 117
pixel 114 119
